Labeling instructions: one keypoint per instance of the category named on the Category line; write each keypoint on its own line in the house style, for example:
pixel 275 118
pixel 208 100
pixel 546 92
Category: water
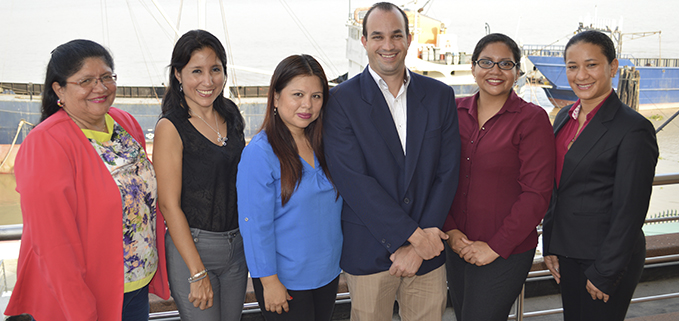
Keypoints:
pixel 664 198
pixel 263 32
pixel 10 211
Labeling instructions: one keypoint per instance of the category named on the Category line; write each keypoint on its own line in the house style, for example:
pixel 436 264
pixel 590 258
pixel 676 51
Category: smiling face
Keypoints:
pixel 202 78
pixel 88 105
pixel 589 73
pixel 495 81
pixel 299 103
pixel 386 43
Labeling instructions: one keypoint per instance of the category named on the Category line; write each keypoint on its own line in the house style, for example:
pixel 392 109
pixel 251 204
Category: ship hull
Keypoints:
pixel 657 85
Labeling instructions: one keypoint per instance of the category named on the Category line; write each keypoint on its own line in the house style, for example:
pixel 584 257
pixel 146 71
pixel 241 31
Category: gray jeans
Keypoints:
pixel 223 256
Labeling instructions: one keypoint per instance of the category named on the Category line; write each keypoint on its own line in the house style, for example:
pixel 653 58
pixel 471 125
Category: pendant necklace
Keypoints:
pixel 219 135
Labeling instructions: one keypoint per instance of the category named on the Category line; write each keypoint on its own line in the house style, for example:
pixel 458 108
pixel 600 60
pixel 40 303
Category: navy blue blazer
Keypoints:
pixel 387 194
pixel 598 209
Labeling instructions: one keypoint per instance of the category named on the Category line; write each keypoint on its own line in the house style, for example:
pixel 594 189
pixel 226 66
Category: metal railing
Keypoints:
pixel 13 232
pixel 651 262
pixel 656 261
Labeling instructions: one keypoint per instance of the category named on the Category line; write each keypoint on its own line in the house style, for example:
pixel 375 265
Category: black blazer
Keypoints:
pixel 387 194
pixel 598 209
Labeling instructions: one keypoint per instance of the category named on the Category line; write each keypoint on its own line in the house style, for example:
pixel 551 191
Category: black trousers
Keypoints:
pixel 577 302
pixel 486 292
pixel 307 305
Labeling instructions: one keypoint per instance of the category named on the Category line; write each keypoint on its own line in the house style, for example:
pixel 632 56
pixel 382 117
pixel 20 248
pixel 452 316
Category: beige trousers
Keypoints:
pixel 420 298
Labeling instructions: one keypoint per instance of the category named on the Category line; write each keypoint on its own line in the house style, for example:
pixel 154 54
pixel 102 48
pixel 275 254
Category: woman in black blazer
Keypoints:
pixel 606 157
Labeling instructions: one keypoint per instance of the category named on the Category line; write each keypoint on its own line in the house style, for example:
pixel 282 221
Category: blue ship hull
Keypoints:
pixel 147 114
pixel 658 85
pixel 12 111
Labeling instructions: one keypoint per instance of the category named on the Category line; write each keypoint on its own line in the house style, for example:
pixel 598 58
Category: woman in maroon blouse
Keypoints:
pixel 506 179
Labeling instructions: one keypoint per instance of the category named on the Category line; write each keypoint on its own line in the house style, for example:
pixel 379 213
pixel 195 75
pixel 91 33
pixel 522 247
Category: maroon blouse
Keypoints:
pixel 569 133
pixel 506 175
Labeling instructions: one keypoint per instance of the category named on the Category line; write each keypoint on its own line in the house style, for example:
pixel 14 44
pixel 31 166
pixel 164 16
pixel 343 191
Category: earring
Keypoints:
pixel 275 111
pixel 59 103
pixel 181 88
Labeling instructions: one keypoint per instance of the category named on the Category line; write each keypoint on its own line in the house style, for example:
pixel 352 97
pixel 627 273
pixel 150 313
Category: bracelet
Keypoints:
pixel 198 276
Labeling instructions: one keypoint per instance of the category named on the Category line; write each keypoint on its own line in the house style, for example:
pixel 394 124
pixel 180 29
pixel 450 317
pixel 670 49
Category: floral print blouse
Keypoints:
pixel 126 159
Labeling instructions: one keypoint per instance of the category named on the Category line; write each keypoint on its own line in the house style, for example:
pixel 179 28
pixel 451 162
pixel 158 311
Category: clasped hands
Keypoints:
pixel 425 244
pixel 474 252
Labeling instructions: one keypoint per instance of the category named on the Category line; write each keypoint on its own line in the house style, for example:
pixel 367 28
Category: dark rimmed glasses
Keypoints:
pixel 89 83
pixel 489 64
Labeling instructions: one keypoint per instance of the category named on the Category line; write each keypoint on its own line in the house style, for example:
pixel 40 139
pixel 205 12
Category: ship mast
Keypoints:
pixel 617 34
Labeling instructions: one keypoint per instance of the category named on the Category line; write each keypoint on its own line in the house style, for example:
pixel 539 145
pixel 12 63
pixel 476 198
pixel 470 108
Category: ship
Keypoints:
pixel 433 51
pixel 20 105
pixel 658 77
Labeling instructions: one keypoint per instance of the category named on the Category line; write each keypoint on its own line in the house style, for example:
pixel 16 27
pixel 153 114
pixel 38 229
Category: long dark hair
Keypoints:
pixel 174 100
pixel 279 135
pixel 66 60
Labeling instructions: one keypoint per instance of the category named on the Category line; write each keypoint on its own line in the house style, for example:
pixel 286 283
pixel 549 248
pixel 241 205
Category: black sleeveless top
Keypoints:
pixel 209 198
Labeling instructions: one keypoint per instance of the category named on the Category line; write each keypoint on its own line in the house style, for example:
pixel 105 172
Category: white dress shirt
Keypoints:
pixel 398 106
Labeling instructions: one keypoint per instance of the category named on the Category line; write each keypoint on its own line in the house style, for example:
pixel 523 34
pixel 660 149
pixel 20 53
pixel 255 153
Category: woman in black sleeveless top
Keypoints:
pixel 197 147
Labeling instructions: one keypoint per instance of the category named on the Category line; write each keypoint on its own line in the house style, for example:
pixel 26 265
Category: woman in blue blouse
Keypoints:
pixel 288 208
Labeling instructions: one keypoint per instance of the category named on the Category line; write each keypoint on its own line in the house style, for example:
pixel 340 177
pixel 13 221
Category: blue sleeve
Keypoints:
pixel 256 202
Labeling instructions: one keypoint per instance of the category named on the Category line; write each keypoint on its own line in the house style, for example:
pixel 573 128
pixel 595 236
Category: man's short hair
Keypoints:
pixel 384 6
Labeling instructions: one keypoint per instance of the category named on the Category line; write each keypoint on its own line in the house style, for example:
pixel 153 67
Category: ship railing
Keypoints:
pixel 656 62
pixel 157 92
pixel 25 89
pixel 543 50
pixel 557 51
pixel 31 89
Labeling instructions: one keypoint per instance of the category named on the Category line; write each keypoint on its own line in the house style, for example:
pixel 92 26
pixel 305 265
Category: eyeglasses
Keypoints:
pixel 89 83
pixel 489 64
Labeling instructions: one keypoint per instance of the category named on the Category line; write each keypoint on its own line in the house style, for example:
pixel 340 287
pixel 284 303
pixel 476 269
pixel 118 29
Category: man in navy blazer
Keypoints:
pixel 393 150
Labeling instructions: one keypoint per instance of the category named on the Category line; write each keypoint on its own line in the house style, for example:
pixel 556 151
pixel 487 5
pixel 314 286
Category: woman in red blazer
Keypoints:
pixel 92 246
pixel 606 157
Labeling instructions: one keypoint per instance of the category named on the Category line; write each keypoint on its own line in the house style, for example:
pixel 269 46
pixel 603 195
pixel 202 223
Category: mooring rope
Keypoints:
pixel 16 136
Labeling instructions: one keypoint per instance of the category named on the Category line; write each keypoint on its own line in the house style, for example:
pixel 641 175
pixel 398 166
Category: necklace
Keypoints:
pixel 83 126
pixel 219 135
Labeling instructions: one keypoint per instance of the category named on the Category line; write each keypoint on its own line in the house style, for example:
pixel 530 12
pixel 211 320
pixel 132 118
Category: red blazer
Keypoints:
pixel 71 258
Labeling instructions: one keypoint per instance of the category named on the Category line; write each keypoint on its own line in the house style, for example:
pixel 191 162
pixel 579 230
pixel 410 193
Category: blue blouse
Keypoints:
pixel 301 241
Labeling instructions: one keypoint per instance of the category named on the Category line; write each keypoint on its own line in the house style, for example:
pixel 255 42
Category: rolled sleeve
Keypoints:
pixel 256 202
